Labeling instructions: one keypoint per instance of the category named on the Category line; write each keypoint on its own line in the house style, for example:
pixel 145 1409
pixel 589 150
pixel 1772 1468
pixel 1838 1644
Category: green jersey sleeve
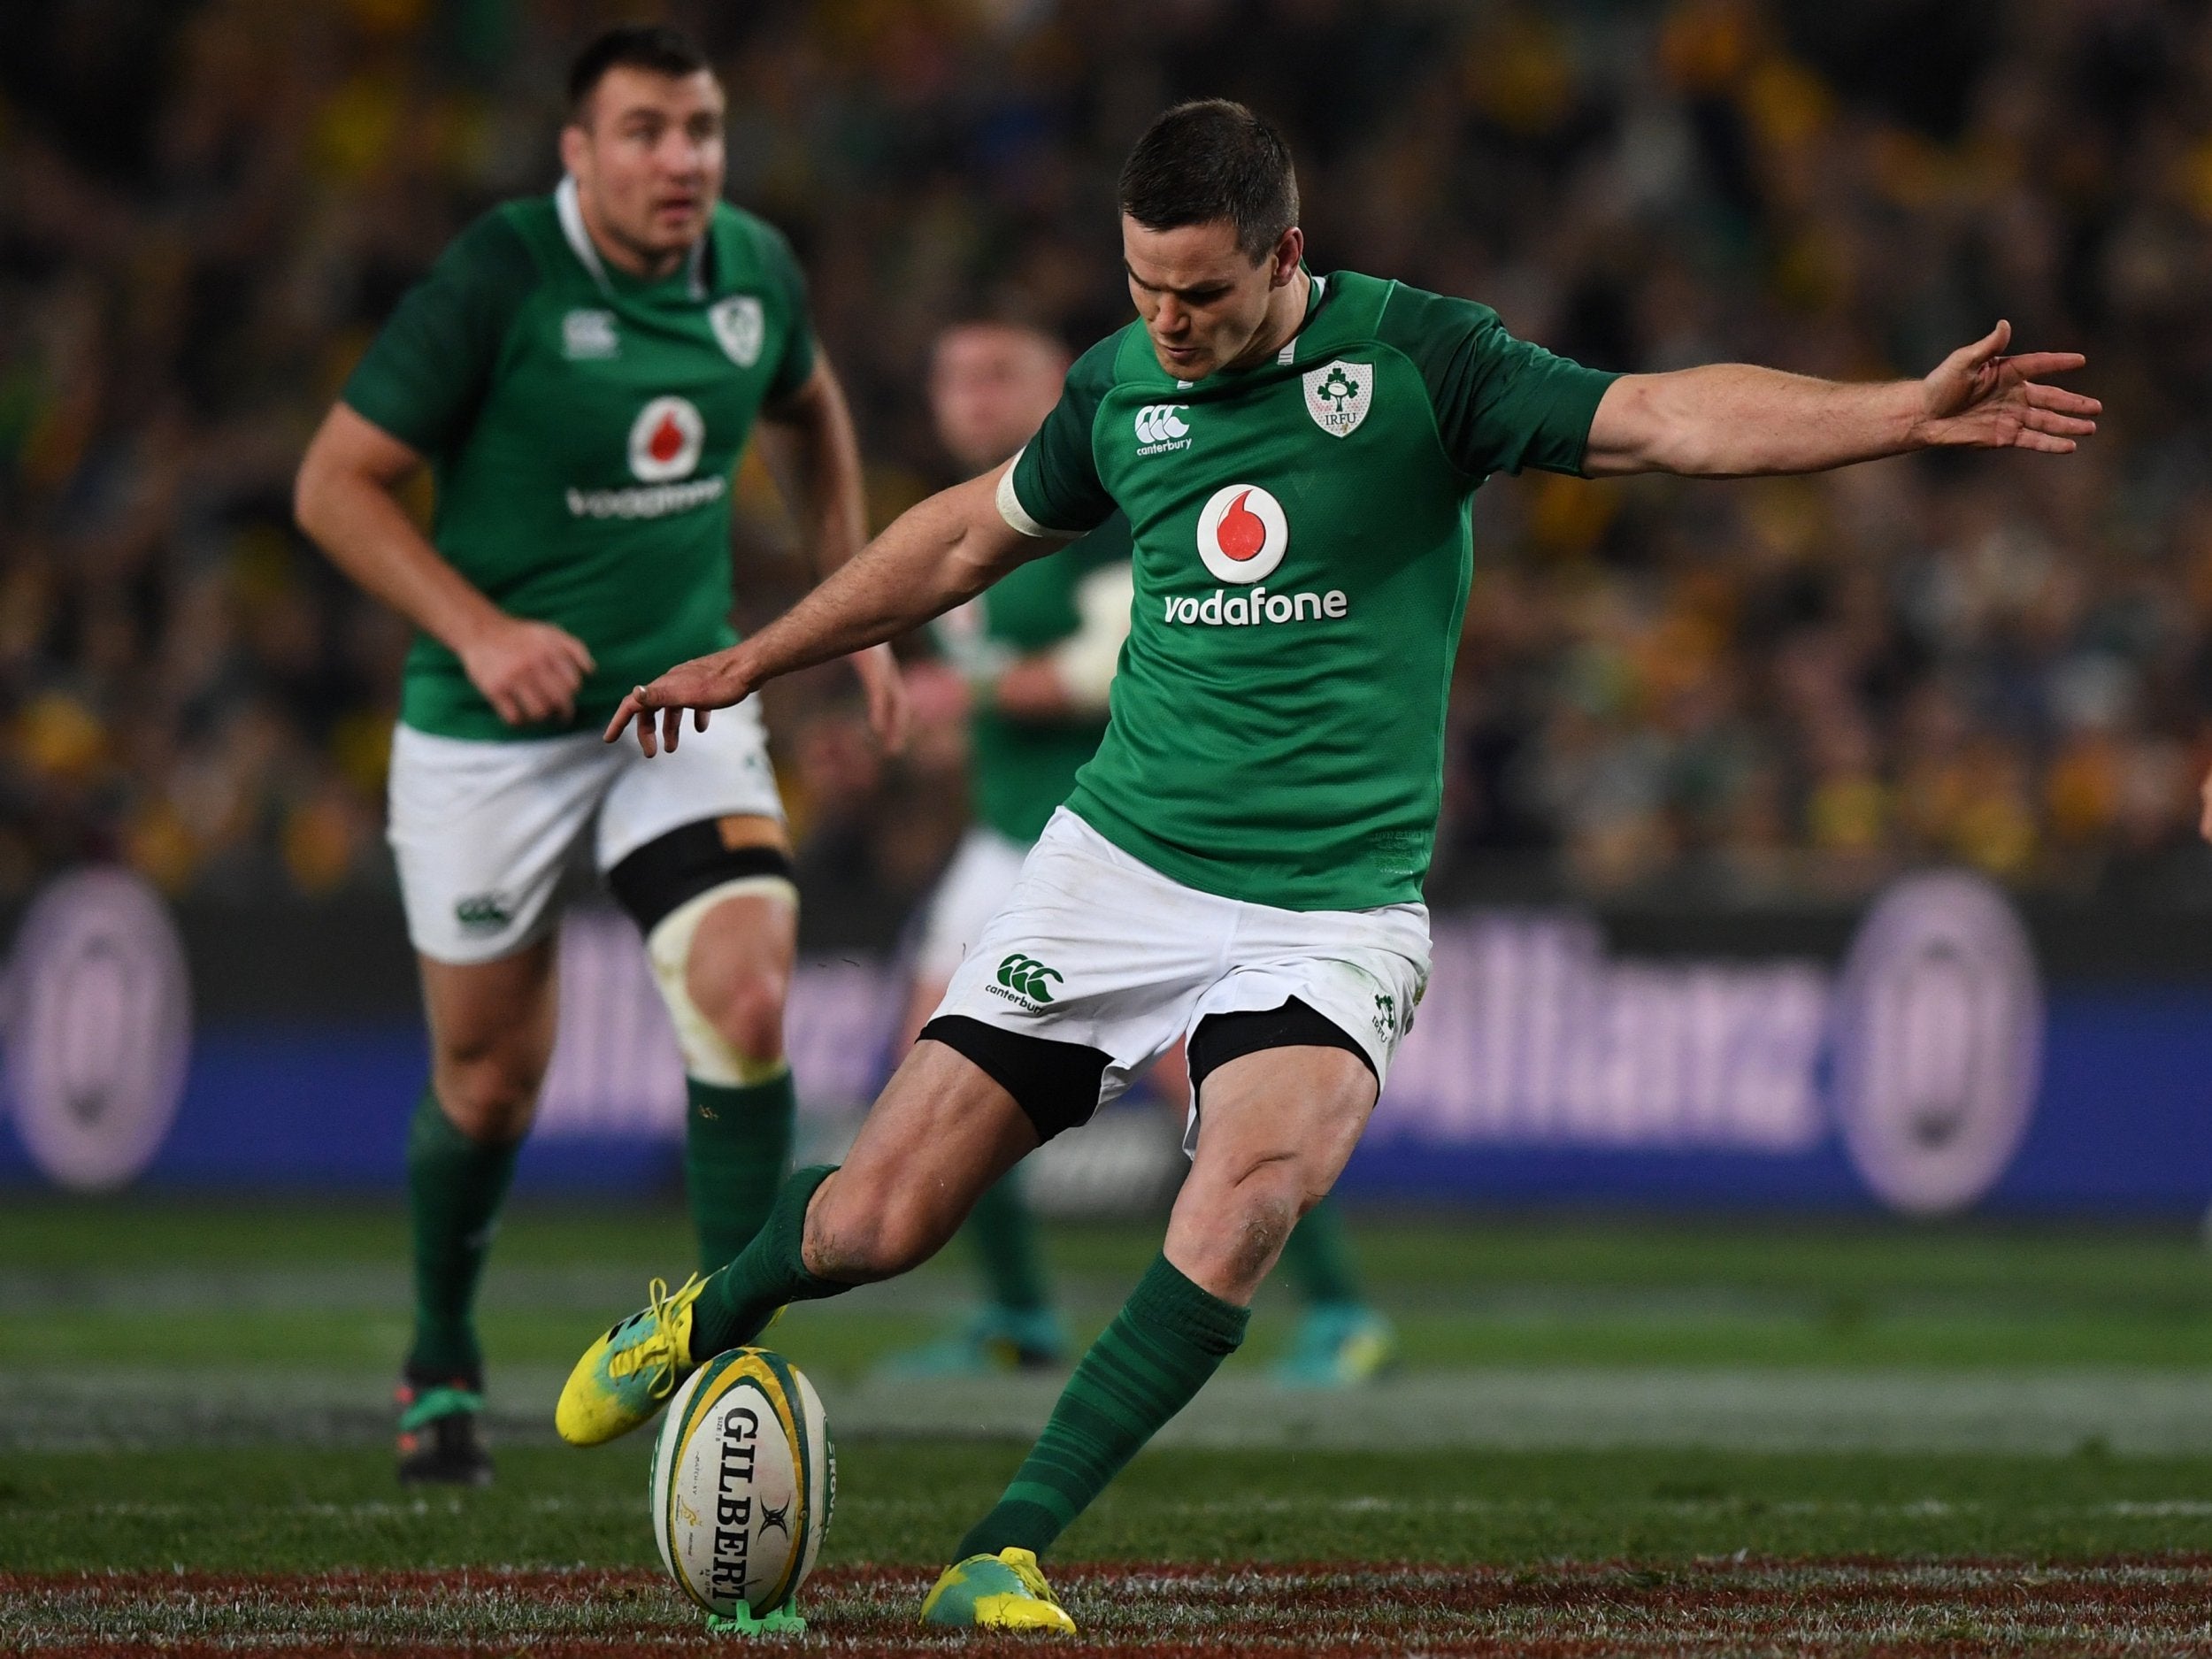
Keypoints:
pixel 1055 479
pixel 425 374
pixel 782 266
pixel 1501 403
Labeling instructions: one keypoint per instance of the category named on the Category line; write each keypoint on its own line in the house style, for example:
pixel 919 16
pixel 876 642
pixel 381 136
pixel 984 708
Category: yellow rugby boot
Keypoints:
pixel 1001 1592
pixel 628 1375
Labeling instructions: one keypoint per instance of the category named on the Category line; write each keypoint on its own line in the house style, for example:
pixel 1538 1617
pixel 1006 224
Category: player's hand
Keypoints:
pixel 704 683
pixel 528 671
pixel 1979 397
pixel 889 706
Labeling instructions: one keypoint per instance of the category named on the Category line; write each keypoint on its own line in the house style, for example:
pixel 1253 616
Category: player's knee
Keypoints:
pixel 489 1091
pixel 1250 1219
pixel 728 1020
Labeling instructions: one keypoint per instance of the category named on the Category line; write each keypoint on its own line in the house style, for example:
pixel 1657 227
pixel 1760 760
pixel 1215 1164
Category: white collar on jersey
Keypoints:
pixel 1288 355
pixel 587 252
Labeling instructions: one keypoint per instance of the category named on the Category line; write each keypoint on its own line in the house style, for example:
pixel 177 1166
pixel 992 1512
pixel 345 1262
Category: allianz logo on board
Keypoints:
pixel 1920 1055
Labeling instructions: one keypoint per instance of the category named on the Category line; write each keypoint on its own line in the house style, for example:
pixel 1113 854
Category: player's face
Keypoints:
pixel 647 160
pixel 1205 305
pixel 991 387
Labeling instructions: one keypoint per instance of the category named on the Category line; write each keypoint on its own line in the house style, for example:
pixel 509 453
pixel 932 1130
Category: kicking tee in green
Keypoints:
pixel 583 425
pixel 1303 551
pixel 1021 770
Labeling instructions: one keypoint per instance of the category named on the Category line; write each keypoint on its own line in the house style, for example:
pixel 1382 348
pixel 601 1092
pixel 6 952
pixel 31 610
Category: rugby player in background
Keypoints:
pixel 580 370
pixel 1037 651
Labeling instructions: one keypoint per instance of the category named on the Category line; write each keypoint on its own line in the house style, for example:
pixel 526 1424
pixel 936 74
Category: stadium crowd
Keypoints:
pixel 1781 690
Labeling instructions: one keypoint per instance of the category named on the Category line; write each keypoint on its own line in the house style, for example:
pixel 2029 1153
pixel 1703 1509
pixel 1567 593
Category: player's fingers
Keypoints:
pixel 2051 420
pixel 2033 364
pixel 672 728
pixel 699 718
pixel 625 712
pixel 1992 344
pixel 578 652
pixel 2059 398
pixel 2029 438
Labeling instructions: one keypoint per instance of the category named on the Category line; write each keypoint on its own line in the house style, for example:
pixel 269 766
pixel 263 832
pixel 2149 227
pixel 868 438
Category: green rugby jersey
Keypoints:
pixel 1020 770
pixel 1302 552
pixel 583 425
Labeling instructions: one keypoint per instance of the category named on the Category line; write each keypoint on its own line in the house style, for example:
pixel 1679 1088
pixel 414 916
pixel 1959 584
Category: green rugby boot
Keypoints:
pixel 1001 1592
pixel 1338 1344
pixel 439 1442
pixel 996 1340
pixel 628 1375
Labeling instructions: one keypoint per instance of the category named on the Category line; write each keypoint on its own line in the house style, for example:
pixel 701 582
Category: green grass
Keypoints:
pixel 90 1283
pixel 134 1290
pixel 275 1509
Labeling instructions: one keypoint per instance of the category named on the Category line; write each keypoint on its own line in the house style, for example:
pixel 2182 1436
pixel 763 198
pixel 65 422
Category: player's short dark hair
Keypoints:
pixel 1210 160
pixel 652 46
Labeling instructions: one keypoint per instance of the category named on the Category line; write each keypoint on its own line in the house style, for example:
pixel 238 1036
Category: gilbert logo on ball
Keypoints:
pixel 1242 534
pixel 665 440
pixel 99 1029
pixel 744 1478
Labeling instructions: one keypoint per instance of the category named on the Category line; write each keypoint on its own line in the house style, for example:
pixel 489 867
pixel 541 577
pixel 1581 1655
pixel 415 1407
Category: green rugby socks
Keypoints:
pixel 454 1186
pixel 1319 1258
pixel 736 1142
pixel 1004 1234
pixel 1170 1337
pixel 735 1305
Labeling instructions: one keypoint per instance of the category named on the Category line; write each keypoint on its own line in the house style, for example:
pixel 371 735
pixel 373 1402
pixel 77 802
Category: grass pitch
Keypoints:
pixel 1607 1438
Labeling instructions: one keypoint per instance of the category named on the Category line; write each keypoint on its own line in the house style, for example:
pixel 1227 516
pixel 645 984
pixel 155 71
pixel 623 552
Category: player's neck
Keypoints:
pixel 650 265
pixel 1286 307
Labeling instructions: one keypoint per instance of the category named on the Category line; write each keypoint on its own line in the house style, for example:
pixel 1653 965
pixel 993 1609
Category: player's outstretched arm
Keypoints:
pixel 345 498
pixel 811 448
pixel 944 551
pixel 1735 420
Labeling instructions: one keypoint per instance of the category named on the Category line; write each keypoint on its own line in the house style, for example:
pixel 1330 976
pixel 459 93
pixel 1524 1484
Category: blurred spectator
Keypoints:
pixel 1769 692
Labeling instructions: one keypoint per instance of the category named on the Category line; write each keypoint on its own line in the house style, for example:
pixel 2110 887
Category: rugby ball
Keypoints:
pixel 743 1480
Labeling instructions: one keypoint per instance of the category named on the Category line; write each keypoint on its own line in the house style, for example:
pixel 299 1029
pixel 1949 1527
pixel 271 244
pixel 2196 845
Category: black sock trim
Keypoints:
pixel 1056 1084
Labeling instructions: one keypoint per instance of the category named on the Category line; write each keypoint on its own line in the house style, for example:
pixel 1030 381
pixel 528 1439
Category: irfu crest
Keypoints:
pixel 740 326
pixel 1338 396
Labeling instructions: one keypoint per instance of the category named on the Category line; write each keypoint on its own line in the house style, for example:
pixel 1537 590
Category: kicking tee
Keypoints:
pixel 1302 552
pixel 1021 770
pixel 582 425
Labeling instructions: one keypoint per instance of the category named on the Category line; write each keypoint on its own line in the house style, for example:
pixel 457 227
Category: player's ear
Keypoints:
pixel 575 143
pixel 1290 248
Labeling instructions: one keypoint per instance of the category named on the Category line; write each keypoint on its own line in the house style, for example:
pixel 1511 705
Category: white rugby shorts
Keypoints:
pixel 982 872
pixel 1093 947
pixel 484 832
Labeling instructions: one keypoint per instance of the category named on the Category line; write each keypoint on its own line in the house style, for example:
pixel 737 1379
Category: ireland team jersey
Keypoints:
pixel 1021 770
pixel 583 425
pixel 1301 559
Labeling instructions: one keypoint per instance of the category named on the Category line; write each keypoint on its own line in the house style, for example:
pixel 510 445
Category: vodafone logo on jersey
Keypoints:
pixel 665 439
pixel 1242 534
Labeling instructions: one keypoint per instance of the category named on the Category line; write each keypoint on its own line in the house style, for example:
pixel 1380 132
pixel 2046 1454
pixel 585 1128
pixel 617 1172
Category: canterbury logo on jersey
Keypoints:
pixel 1224 610
pixel 1028 978
pixel 1160 428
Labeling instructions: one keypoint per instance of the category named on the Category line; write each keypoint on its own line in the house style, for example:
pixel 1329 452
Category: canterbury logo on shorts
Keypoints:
pixel 1027 976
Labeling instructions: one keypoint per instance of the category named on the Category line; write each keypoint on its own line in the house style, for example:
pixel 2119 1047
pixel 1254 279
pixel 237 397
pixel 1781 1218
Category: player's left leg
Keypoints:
pixel 1280 1124
pixel 1342 1339
pixel 695 850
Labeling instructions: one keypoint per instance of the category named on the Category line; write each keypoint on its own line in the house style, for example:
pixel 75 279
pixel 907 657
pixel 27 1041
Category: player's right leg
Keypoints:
pixel 481 832
pixel 491 1036
pixel 942 1130
pixel 1016 1327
